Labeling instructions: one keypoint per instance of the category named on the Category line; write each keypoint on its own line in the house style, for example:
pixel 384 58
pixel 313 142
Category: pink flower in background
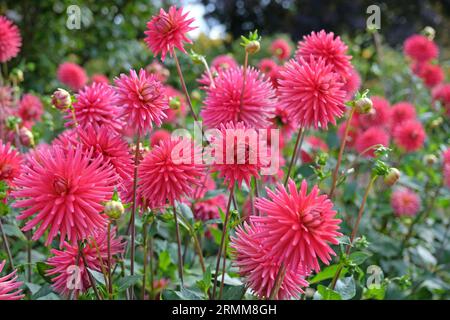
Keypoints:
pixel 223 62
pixel 6 97
pixel 98 77
pixel 142 99
pixel 311 148
pixel 63 191
pixel 10 163
pixel 223 102
pixel 169 172
pixel 174 114
pixel 328 47
pixel 167 31
pixel 420 48
pixel 260 267
pixel 30 108
pixel 208 209
pixel 370 138
pixel 378 116
pixel 97 106
pixel 352 83
pixel 72 75
pixel 158 70
pixel 159 135
pixel 311 93
pixel 10 40
pixel 271 70
pixel 353 132
pixel 9 286
pixel 441 93
pixel 281 49
pixel 431 75
pixel 297 227
pixel 405 202
pixel 67 269
pixel 244 165
pixel 401 112
pixel 446 167
pixel 410 135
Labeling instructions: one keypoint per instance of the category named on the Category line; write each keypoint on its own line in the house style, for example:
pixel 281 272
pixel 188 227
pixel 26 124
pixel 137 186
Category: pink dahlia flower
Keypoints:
pixel 10 163
pixel 311 148
pixel 401 112
pixel 241 159
pixel 6 97
pixel 311 92
pixel 97 106
pixel 180 111
pixel 72 75
pixel 446 167
pixel 159 135
pixel 281 49
pixel 368 141
pixel 208 209
pixel 167 31
pixel 271 70
pixel 101 78
pixel 223 101
pixel 169 172
pixel 64 191
pixel 441 93
pixel 297 227
pixel 410 135
pixel 352 83
pixel 143 100
pixel 10 40
pixel 420 48
pixel 432 75
pixel 30 108
pixel 9 286
pixel 260 266
pixel 328 47
pixel 405 202
pixel 223 62
pixel 378 116
pixel 68 271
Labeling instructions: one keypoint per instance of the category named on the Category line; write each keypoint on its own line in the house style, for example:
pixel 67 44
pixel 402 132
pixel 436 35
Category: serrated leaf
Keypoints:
pixel 325 293
pixel 359 257
pixel 327 273
pixel 12 230
pixel 128 281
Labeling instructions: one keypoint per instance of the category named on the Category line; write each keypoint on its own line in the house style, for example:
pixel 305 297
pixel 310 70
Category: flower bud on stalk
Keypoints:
pixel 430 159
pixel 392 177
pixel 363 105
pixel 26 137
pixel 114 209
pixel 61 99
pixel 252 47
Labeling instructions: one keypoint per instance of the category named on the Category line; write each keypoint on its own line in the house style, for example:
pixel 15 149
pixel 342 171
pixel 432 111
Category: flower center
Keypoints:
pixel 5 171
pixel 60 185
pixel 311 218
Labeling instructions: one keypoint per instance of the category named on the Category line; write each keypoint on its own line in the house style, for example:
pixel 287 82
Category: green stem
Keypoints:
pixel 180 256
pixel 6 244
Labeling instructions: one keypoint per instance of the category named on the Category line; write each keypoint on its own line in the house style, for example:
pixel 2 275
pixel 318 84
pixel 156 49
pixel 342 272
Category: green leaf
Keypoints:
pixel 327 273
pixel 359 257
pixel 42 268
pixel 346 288
pixel 128 281
pixel 12 230
pixel 33 287
pixel 186 211
pixel 374 292
pixel 325 293
pixel 98 276
pixel 164 260
pixel 184 294
pixel 233 292
pixel 42 292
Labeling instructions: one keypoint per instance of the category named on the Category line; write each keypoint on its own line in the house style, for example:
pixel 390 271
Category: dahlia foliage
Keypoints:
pixel 305 169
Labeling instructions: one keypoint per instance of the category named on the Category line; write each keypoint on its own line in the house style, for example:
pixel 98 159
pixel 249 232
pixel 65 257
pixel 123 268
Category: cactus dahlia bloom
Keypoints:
pixel 9 286
pixel 30 108
pixel 431 74
pixel 10 40
pixel 169 172
pixel 68 271
pixel 242 155
pixel 401 112
pixel 328 47
pixel 378 116
pixel 63 191
pixel 311 92
pixel 72 75
pixel 297 227
pixel 441 93
pixel 410 135
pixel 223 102
pixel 420 48
pixel 446 167
pixel 372 137
pixel 167 31
pixel 405 202
pixel 281 49
pixel 10 162
pixel 142 99
pixel 260 267
pixel 352 83
pixel 208 209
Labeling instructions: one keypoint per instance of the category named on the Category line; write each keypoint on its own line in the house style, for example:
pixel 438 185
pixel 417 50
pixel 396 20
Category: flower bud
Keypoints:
pixel 174 103
pixel 196 95
pixel 26 137
pixel 436 122
pixel 363 105
pixel 430 159
pixel 392 177
pixel 429 32
pixel 16 75
pixel 252 47
pixel 114 209
pixel 61 99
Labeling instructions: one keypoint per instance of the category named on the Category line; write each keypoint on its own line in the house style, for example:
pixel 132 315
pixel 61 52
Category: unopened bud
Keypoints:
pixel 196 95
pixel 26 137
pixel 61 99
pixel 436 122
pixel 252 47
pixel 363 105
pixel 392 177
pixel 430 159
pixel 174 103
pixel 429 32
pixel 114 209
pixel 16 75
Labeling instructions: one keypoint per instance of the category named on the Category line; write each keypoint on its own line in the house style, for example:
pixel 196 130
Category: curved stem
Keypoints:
pixel 341 152
pixel 222 241
pixel 6 244
pixel 91 279
pixel 110 288
pixel 278 281
pixel 183 85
